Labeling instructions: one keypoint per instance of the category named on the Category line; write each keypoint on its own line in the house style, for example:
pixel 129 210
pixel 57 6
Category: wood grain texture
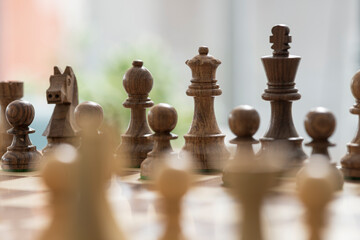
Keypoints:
pixel 204 141
pixel 350 163
pixel 162 120
pixel 21 155
pixel 63 92
pixel 135 145
pixel 9 91
pixel 280 70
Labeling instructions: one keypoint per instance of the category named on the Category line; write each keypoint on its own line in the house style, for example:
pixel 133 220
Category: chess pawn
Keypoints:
pixel 89 117
pixel 172 184
pixel 162 120
pixel 315 192
pixel 280 70
pixel 21 156
pixel 205 142
pixel 244 121
pixel 9 91
pixel 350 163
pixel 320 124
pixel 135 145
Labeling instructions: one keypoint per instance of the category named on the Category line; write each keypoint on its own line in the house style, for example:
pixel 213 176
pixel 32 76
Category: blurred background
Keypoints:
pixel 99 39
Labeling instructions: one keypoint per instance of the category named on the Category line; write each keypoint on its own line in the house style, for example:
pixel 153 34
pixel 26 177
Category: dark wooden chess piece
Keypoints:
pixel 204 142
pixel 350 163
pixel 162 120
pixel 280 70
pixel 320 125
pixel 9 91
pixel 244 121
pixel 89 115
pixel 21 156
pixel 135 145
pixel 63 92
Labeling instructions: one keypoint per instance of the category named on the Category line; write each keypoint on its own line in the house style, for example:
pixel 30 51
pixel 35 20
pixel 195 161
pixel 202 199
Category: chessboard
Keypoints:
pixel 209 211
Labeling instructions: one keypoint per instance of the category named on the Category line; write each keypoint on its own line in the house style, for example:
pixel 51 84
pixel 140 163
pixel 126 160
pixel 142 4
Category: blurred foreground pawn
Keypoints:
pixel 172 184
pixel 135 145
pixel 63 92
pixel 315 192
pixel 244 121
pixel 249 184
pixel 162 120
pixel 350 163
pixel 89 115
pixel 204 141
pixel 280 70
pixel 320 124
pixel 21 156
pixel 9 91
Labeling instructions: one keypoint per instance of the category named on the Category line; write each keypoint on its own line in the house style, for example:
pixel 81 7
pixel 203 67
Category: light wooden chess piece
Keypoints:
pixel 172 184
pixel 350 163
pixel 315 192
pixel 162 120
pixel 280 70
pixel 249 183
pixel 89 115
pixel 63 92
pixel 21 155
pixel 9 91
pixel 244 121
pixel 204 141
pixel 320 124
pixel 135 145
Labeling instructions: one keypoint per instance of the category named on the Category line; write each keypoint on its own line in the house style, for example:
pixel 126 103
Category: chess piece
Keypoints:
pixel 89 115
pixel 204 141
pixel 162 120
pixel 135 145
pixel 350 163
pixel 320 125
pixel 315 193
pixel 172 184
pixel 21 155
pixel 249 185
pixel 244 121
pixel 63 92
pixel 9 91
pixel 280 70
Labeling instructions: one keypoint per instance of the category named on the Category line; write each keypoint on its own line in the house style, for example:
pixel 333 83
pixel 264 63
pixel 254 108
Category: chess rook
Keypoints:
pixel 204 142
pixel 350 163
pixel 280 70
pixel 162 120
pixel 63 92
pixel 244 121
pixel 135 145
pixel 9 91
pixel 21 156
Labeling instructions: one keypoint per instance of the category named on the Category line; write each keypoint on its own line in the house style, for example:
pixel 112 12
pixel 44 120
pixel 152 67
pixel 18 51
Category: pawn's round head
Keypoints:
pixel 162 118
pixel 355 85
pixel 244 121
pixel 20 113
pixel 89 115
pixel 320 123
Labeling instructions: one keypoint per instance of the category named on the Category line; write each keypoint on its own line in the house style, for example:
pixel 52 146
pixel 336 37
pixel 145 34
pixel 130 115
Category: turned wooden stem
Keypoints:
pixel 138 125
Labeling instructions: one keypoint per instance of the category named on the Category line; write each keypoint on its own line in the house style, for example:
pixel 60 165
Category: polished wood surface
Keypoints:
pixel 135 145
pixel 205 142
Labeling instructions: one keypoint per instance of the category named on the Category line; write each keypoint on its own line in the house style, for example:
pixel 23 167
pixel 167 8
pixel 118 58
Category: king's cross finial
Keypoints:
pixel 280 40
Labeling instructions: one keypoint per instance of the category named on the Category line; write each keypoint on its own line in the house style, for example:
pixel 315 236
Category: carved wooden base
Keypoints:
pixel 208 153
pixel 23 160
pixel 133 151
pixel 350 163
pixel 289 150
pixel 54 142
